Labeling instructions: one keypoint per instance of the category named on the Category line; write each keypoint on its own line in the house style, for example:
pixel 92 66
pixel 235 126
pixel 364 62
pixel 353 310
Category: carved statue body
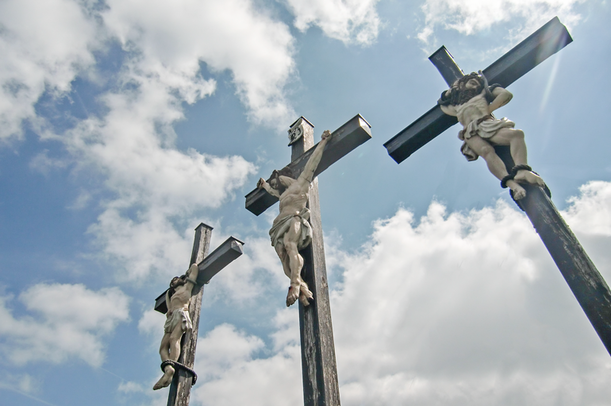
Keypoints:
pixel 177 322
pixel 291 230
pixel 472 102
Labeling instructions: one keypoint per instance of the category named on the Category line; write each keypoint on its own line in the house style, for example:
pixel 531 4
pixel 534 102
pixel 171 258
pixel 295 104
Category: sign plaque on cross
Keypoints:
pixel 319 370
pixel 207 267
pixel 584 280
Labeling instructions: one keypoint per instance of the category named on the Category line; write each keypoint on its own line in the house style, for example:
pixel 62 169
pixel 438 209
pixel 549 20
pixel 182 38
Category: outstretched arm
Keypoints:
pixel 263 184
pixel 312 164
pixel 192 274
pixel 501 98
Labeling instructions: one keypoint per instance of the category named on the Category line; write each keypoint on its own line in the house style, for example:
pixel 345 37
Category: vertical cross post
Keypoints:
pixel 209 265
pixel 319 367
pixel 584 280
pixel 319 370
pixel 180 389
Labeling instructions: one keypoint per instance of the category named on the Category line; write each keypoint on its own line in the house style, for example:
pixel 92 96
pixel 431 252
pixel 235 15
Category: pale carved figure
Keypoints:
pixel 291 230
pixel 177 323
pixel 472 101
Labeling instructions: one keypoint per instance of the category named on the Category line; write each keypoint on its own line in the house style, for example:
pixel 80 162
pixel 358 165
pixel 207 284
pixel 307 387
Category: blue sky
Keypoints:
pixel 124 124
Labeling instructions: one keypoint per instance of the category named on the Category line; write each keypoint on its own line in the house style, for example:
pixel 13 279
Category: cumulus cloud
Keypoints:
pixel 44 45
pixel 466 308
pixel 129 144
pixel 469 17
pixel 451 308
pixel 63 322
pixel 227 360
pixel 172 38
pixel 350 21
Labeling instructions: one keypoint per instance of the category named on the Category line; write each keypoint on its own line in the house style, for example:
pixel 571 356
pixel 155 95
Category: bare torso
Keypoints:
pixel 294 199
pixel 180 298
pixel 472 110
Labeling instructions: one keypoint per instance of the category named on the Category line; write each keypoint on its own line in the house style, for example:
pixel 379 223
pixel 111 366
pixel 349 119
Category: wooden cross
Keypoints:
pixel 319 369
pixel 584 280
pixel 209 265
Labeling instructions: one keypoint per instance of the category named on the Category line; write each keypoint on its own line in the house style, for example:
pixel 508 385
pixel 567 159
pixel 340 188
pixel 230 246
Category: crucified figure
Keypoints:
pixel 177 322
pixel 291 230
pixel 472 101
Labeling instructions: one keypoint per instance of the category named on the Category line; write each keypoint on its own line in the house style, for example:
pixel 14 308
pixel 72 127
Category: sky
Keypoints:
pixel 126 123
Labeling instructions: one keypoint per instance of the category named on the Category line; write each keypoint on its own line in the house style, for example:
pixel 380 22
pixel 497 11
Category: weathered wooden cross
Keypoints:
pixel 209 265
pixel 319 370
pixel 586 283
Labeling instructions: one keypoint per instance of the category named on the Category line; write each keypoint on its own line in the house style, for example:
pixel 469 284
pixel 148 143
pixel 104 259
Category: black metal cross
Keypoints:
pixel 319 369
pixel 580 273
pixel 209 265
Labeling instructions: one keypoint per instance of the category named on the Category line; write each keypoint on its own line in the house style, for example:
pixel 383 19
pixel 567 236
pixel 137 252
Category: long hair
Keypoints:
pixel 176 282
pixel 276 175
pixel 459 95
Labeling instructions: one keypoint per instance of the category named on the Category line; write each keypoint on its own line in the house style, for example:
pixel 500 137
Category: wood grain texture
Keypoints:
pixel 318 363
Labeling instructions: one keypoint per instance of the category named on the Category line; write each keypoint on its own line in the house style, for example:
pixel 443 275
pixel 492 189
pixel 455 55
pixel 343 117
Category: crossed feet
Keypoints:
pixel 166 379
pixel 299 291
pixel 523 176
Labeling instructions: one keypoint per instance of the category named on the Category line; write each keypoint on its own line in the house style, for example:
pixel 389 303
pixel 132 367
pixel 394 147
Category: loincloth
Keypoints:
pixel 281 227
pixel 486 127
pixel 178 316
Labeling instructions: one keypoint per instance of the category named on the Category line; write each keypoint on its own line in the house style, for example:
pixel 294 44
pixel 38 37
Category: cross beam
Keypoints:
pixel 210 266
pixel 343 140
pixel 542 44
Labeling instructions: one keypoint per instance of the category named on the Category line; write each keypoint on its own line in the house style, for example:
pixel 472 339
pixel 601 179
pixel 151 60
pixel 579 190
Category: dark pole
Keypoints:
pixel 318 364
pixel 180 389
pixel 584 280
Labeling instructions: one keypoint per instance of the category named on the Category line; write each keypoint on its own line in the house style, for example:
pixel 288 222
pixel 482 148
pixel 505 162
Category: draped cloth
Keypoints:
pixel 281 226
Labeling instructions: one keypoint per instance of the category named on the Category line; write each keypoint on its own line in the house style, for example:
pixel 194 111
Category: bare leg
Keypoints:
pixel 495 164
pixel 173 346
pixel 290 241
pixel 517 147
pixel 281 251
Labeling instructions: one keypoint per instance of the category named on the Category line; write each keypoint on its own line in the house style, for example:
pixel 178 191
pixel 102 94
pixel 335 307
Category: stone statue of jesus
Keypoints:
pixel 472 101
pixel 177 323
pixel 291 230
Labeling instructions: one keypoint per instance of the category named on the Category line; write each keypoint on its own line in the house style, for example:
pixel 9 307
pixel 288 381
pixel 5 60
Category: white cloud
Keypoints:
pixel 154 188
pixel 251 278
pixel 151 323
pixel 465 308
pixel 469 17
pixel 172 38
pixel 453 309
pixel 44 45
pixel 63 322
pixel 226 361
pixel 350 21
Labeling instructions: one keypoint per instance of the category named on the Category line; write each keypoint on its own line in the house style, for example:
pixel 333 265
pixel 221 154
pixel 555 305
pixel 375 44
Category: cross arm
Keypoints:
pixel 343 140
pixel 210 266
pixel 539 46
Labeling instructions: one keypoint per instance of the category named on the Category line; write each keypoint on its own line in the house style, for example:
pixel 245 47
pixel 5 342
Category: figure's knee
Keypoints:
pixel 487 151
pixel 291 247
pixel 518 134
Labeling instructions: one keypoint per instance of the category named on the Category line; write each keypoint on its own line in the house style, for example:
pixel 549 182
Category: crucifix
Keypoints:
pixel 297 238
pixel 584 280
pixel 182 305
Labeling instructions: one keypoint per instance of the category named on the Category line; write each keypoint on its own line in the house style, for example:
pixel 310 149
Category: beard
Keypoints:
pixel 465 95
